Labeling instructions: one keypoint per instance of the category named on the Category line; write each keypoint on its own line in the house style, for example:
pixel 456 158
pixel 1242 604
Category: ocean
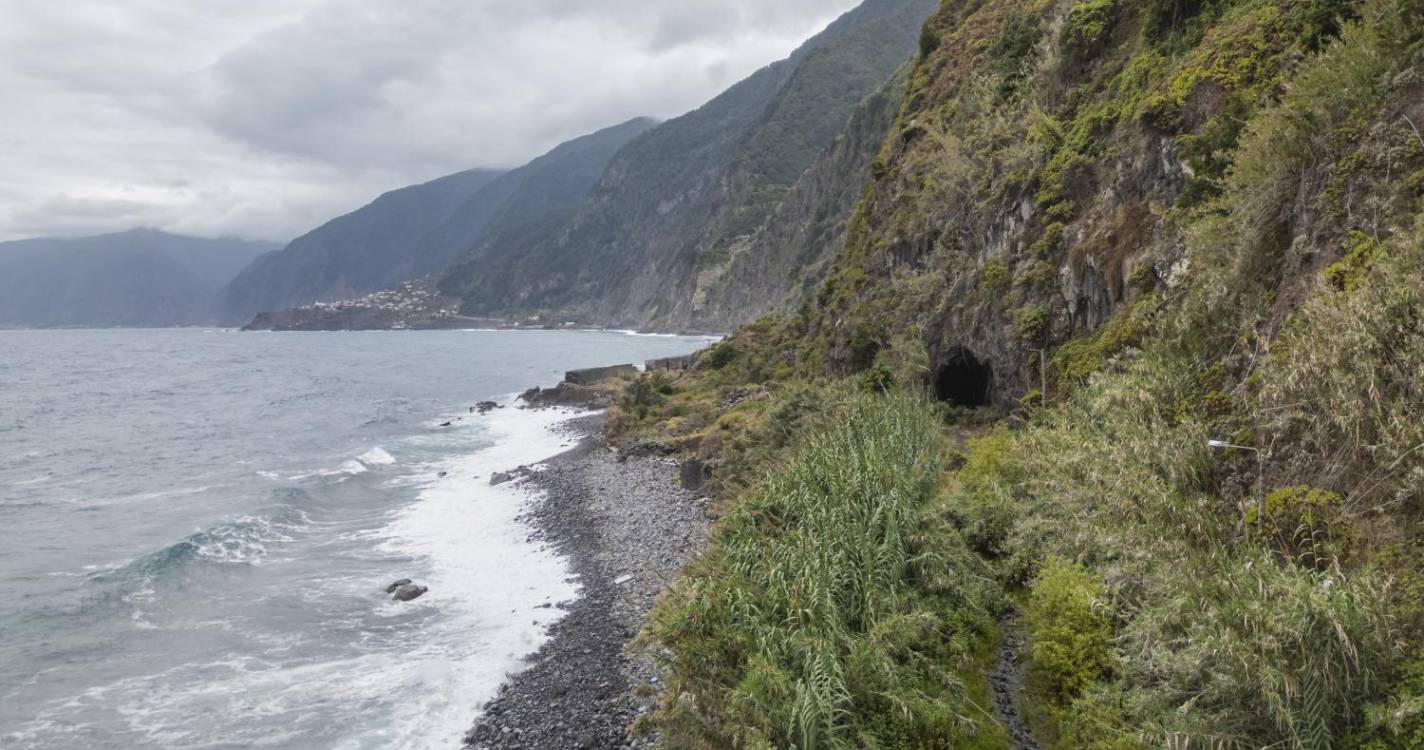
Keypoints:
pixel 197 526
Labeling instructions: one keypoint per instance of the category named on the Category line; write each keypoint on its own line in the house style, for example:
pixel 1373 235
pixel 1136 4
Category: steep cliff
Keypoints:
pixel 674 202
pixel 782 264
pixel 1155 266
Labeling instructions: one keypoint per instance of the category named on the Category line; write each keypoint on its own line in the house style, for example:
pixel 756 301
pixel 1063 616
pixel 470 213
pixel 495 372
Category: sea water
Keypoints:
pixel 196 528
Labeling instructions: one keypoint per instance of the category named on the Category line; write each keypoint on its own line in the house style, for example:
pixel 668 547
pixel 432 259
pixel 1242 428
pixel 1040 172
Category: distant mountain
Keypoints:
pixel 420 230
pixel 139 278
pixel 358 253
pixel 676 204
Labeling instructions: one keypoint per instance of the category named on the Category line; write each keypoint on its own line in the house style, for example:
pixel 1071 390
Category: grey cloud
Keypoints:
pixel 263 118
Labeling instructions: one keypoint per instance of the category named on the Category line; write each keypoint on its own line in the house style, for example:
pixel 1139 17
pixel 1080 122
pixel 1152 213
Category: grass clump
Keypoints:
pixel 834 604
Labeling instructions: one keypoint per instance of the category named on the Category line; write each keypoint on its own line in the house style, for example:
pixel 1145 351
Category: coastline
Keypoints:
pixel 625 529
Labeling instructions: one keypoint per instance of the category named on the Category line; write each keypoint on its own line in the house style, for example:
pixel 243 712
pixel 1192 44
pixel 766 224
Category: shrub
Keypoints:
pixel 1296 520
pixel 1088 25
pixel 1031 323
pixel 929 40
pixel 1069 628
pixel 877 379
pixel 720 355
pixel 1397 722
pixel 647 391
pixel 995 277
pixel 1346 274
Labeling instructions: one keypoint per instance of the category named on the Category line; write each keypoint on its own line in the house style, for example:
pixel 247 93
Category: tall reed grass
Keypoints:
pixel 835 606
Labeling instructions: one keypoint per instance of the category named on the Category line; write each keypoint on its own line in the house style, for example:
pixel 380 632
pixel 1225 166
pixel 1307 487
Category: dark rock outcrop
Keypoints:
pixel 409 592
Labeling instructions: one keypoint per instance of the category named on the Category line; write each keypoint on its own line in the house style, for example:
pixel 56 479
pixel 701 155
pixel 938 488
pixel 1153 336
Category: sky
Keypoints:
pixel 264 118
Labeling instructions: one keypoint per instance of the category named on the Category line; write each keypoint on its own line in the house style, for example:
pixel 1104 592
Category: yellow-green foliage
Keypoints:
pixel 1075 360
pixel 833 606
pixel 995 278
pixel 1088 25
pixel 1346 273
pixel 1295 518
pixel 1068 623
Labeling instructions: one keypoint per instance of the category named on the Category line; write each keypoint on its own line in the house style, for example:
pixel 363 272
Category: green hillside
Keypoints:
pixel 1121 357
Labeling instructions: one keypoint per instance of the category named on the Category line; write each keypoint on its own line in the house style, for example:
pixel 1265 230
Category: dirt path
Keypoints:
pixel 1007 682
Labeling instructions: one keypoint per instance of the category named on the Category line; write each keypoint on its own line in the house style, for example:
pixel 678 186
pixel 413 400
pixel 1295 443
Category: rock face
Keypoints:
pixel 783 263
pixel 693 475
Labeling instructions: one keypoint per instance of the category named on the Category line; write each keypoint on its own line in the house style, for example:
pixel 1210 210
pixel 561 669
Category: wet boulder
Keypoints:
pixel 408 592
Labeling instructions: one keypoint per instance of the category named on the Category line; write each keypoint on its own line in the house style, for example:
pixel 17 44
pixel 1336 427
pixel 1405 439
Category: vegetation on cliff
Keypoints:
pixel 1156 268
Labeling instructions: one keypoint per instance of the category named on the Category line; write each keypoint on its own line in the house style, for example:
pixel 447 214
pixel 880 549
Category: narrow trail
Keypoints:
pixel 1007 682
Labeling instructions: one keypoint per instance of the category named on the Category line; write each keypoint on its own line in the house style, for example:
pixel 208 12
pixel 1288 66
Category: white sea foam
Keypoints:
pixel 376 457
pixel 484 576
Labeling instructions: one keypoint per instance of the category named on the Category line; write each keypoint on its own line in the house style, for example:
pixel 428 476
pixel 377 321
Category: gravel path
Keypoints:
pixel 627 528
pixel 1007 683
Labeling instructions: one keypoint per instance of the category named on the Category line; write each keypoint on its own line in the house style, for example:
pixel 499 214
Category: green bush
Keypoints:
pixel 1031 323
pixel 1267 654
pixel 1347 273
pixel 720 355
pixel 995 277
pixel 1297 520
pixel 1088 25
pixel 1069 628
pixel 877 379
pixel 1397 722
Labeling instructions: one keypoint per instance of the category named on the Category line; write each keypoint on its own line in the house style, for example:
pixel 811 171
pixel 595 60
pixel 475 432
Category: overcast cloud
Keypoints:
pixel 264 118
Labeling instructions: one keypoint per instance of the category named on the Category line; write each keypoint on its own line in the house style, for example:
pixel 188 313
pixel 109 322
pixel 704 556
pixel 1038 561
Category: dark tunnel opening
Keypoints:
pixel 963 380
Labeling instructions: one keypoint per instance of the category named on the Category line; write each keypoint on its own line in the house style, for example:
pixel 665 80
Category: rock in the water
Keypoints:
pixel 391 589
pixel 485 407
pixel 409 592
pixel 501 477
pixel 445 424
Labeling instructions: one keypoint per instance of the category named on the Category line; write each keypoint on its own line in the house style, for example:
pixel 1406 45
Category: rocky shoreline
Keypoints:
pixel 626 528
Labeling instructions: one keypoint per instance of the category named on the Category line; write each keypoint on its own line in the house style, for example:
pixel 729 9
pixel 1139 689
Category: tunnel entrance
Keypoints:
pixel 963 379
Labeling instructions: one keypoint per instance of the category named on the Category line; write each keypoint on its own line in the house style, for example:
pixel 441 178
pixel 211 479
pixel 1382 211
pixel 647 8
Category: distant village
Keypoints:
pixel 411 299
